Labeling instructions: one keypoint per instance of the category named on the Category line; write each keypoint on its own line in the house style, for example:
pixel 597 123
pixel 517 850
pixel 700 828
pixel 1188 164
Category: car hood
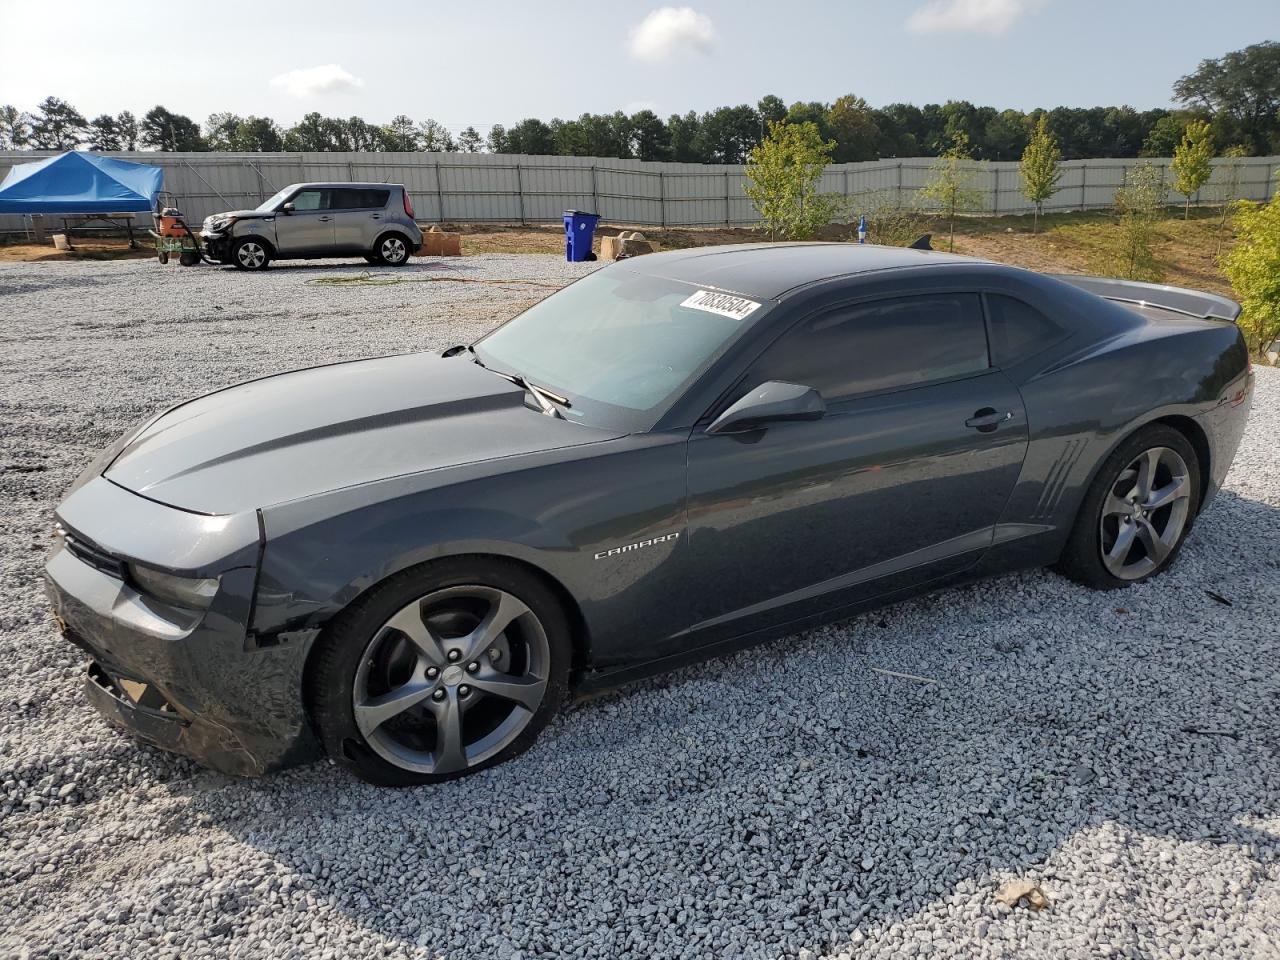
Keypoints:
pixel 298 434
pixel 240 214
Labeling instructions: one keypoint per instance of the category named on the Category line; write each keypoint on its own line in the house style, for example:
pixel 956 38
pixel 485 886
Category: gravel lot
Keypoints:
pixel 744 808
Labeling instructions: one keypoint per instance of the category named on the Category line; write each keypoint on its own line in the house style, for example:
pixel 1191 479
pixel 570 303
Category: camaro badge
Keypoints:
pixel 615 551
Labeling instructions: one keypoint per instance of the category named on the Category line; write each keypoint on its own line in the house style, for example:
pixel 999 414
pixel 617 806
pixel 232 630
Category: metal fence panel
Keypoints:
pixel 536 189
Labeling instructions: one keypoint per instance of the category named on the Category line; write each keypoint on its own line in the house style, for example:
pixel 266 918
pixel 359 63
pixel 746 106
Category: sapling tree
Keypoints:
pixel 950 184
pixel 783 173
pixel 1041 168
pixel 1192 162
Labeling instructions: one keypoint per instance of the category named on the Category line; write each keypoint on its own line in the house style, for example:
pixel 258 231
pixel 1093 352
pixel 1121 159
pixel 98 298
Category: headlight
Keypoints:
pixel 190 592
pixel 219 225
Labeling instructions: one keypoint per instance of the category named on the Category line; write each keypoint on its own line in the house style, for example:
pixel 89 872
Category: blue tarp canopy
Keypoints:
pixel 80 183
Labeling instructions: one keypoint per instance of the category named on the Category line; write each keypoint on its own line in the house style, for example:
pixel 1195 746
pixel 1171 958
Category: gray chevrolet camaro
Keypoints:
pixel 409 562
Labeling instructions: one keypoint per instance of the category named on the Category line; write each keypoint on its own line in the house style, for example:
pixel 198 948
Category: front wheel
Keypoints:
pixel 1137 512
pixel 439 672
pixel 250 254
pixel 392 250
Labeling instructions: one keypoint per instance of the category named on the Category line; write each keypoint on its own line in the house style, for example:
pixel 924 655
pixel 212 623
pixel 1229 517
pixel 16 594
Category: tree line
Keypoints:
pixel 1238 95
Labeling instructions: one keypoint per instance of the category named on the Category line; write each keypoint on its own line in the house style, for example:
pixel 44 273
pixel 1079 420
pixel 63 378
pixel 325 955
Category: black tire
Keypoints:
pixel 163 256
pixel 1082 559
pixel 188 258
pixel 250 253
pixel 351 636
pixel 392 250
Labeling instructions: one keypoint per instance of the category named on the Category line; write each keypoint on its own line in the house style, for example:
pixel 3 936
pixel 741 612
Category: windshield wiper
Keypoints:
pixel 545 398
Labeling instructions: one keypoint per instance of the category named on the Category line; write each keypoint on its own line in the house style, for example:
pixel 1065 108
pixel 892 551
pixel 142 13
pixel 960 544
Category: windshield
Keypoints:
pixel 621 346
pixel 269 205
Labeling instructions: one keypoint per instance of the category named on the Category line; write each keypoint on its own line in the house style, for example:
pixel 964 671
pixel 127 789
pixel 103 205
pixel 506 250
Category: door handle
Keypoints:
pixel 325 219
pixel 376 216
pixel 987 419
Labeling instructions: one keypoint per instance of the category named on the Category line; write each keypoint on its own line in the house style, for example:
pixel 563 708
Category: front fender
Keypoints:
pixel 596 520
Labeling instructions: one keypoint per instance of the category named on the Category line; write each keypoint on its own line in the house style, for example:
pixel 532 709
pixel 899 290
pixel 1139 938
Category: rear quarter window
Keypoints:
pixel 1017 330
pixel 353 198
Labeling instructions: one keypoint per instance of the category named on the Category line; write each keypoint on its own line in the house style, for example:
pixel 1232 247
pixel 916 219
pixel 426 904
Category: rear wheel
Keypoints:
pixel 250 254
pixel 392 250
pixel 440 672
pixel 1137 512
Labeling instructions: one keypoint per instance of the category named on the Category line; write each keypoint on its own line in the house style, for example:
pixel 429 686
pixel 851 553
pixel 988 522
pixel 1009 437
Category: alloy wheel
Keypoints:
pixel 1144 513
pixel 451 679
pixel 393 250
pixel 251 255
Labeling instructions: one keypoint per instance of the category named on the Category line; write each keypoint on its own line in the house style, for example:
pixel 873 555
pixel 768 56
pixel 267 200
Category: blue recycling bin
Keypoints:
pixel 579 231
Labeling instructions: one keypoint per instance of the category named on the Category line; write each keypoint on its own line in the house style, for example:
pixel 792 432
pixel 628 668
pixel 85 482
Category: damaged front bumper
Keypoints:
pixel 216 245
pixel 192 682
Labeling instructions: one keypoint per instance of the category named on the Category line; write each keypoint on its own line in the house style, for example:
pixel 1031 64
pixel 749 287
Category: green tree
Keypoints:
pixel 650 138
pixel 469 140
pixel 434 137
pixel 15 128
pixel 1140 202
pixel 771 110
pixel 400 135
pixel 853 126
pixel 782 181
pixel 1192 162
pixel 497 139
pixel 57 125
pixel 1253 267
pixel 316 133
pixel 127 128
pixel 220 131
pixel 686 137
pixel 1040 168
pixel 950 185
pixel 104 133
pixel 1243 89
pixel 170 131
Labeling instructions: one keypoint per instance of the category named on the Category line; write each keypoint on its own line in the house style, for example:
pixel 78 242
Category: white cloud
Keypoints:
pixel 976 16
pixel 310 81
pixel 671 31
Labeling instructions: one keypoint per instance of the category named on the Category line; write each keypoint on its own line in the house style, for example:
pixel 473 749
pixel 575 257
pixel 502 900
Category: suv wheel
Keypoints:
pixel 250 254
pixel 392 250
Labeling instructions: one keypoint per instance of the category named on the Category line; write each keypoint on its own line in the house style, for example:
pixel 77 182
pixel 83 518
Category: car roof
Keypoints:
pixel 343 183
pixel 770 270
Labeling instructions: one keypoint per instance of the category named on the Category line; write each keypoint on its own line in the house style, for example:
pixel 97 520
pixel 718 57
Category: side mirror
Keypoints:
pixel 288 208
pixel 770 402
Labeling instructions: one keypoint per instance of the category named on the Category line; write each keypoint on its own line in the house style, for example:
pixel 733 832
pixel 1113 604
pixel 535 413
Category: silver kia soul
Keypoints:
pixel 310 220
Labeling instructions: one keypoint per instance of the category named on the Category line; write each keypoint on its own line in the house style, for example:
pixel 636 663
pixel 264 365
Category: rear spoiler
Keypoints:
pixel 1192 303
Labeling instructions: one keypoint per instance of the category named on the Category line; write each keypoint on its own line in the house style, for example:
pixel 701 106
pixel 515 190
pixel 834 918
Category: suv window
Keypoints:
pixel 881 346
pixel 309 200
pixel 1017 331
pixel 355 198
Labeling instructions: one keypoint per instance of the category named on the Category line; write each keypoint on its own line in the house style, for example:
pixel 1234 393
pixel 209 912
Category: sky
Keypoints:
pixel 480 62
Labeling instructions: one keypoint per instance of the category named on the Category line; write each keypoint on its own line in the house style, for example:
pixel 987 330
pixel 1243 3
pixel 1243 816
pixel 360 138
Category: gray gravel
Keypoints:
pixel 786 802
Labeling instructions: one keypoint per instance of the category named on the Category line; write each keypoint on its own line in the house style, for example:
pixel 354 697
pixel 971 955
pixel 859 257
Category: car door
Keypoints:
pixel 358 215
pixel 899 483
pixel 308 228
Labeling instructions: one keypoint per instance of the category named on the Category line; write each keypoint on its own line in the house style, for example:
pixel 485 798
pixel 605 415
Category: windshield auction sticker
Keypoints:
pixel 727 305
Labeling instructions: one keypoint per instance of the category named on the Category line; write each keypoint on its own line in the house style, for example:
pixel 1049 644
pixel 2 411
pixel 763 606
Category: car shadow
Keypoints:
pixel 792 797
pixel 359 265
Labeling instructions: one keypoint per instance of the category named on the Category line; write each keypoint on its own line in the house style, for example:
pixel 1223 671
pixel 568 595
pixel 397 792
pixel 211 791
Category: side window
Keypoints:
pixel 1016 330
pixel 309 200
pixel 354 198
pixel 881 346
